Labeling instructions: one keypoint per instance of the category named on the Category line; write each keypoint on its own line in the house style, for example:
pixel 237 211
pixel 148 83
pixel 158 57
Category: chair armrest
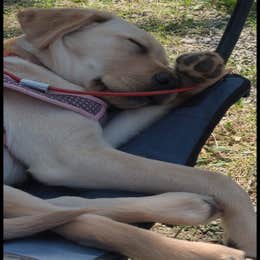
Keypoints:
pixel 179 136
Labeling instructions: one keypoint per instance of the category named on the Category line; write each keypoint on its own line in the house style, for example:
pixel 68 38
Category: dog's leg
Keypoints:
pixel 104 233
pixel 134 121
pixel 29 225
pixel 101 232
pixel 168 208
pixel 123 171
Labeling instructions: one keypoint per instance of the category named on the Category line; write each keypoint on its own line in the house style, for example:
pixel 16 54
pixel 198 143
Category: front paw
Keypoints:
pixel 202 68
pixel 240 232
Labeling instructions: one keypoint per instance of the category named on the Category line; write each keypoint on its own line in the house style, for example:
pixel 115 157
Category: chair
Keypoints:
pixel 159 142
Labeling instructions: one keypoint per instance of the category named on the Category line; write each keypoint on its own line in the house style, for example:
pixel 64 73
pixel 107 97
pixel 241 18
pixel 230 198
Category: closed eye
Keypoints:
pixel 141 47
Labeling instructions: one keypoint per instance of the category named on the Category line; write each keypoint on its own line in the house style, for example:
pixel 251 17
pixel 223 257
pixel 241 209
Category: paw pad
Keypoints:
pixel 199 67
pixel 205 65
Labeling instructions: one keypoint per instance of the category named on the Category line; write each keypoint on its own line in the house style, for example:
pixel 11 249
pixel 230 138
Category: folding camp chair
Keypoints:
pixel 169 139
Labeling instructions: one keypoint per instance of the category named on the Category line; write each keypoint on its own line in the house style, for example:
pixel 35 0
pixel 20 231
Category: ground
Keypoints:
pixel 184 26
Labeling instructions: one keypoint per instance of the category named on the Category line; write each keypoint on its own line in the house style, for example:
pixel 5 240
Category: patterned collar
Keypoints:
pixel 88 106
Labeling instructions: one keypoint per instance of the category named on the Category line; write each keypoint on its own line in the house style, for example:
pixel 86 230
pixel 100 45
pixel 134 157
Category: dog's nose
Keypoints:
pixel 162 77
pixel 163 81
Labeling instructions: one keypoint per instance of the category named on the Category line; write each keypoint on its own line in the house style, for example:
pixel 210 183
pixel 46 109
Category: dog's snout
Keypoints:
pixel 162 78
pixel 163 81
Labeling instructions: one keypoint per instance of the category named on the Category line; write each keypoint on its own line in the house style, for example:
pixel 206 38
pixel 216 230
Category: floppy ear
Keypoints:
pixel 43 26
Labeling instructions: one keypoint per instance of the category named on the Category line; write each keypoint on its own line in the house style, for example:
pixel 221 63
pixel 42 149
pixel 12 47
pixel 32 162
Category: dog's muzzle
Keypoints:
pixel 163 81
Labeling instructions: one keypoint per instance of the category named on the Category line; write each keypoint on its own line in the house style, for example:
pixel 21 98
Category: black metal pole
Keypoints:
pixel 234 28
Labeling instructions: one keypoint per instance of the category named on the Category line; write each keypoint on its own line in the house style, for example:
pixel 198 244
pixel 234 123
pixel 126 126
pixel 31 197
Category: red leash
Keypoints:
pixel 107 93
pixel 110 93
pixel 122 94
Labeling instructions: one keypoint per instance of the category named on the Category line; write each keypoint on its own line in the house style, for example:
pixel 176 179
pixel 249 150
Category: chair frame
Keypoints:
pixel 234 28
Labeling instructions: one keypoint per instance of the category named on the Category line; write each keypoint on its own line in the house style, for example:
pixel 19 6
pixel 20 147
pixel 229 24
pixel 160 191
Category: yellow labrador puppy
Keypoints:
pixel 83 49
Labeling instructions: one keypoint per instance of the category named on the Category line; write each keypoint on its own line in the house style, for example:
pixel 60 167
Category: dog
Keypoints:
pixel 85 49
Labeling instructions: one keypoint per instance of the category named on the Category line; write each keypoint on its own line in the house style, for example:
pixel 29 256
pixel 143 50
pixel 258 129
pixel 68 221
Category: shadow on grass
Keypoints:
pixel 22 3
pixel 183 26
pixel 12 32
pixel 229 5
pixel 251 20
pixel 9 4
pixel 180 27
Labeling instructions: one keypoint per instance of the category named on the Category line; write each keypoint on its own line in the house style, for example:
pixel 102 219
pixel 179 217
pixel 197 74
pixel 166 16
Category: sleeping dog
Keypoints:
pixel 84 49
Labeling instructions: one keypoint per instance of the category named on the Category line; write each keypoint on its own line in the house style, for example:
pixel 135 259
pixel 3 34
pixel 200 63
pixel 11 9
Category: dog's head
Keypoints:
pixel 98 51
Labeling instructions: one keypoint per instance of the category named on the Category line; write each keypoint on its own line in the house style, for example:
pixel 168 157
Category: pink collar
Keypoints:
pixel 88 106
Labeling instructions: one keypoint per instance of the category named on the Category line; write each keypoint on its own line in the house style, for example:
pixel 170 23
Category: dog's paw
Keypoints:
pixel 199 68
pixel 198 209
pixel 183 208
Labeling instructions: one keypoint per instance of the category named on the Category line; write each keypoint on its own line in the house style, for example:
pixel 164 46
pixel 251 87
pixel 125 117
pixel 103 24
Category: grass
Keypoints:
pixel 183 26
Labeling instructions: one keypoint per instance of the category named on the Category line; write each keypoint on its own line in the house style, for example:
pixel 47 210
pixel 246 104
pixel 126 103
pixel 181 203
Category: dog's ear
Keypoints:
pixel 43 26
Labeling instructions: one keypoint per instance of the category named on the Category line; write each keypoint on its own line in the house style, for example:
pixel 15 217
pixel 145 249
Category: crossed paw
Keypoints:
pixel 199 68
